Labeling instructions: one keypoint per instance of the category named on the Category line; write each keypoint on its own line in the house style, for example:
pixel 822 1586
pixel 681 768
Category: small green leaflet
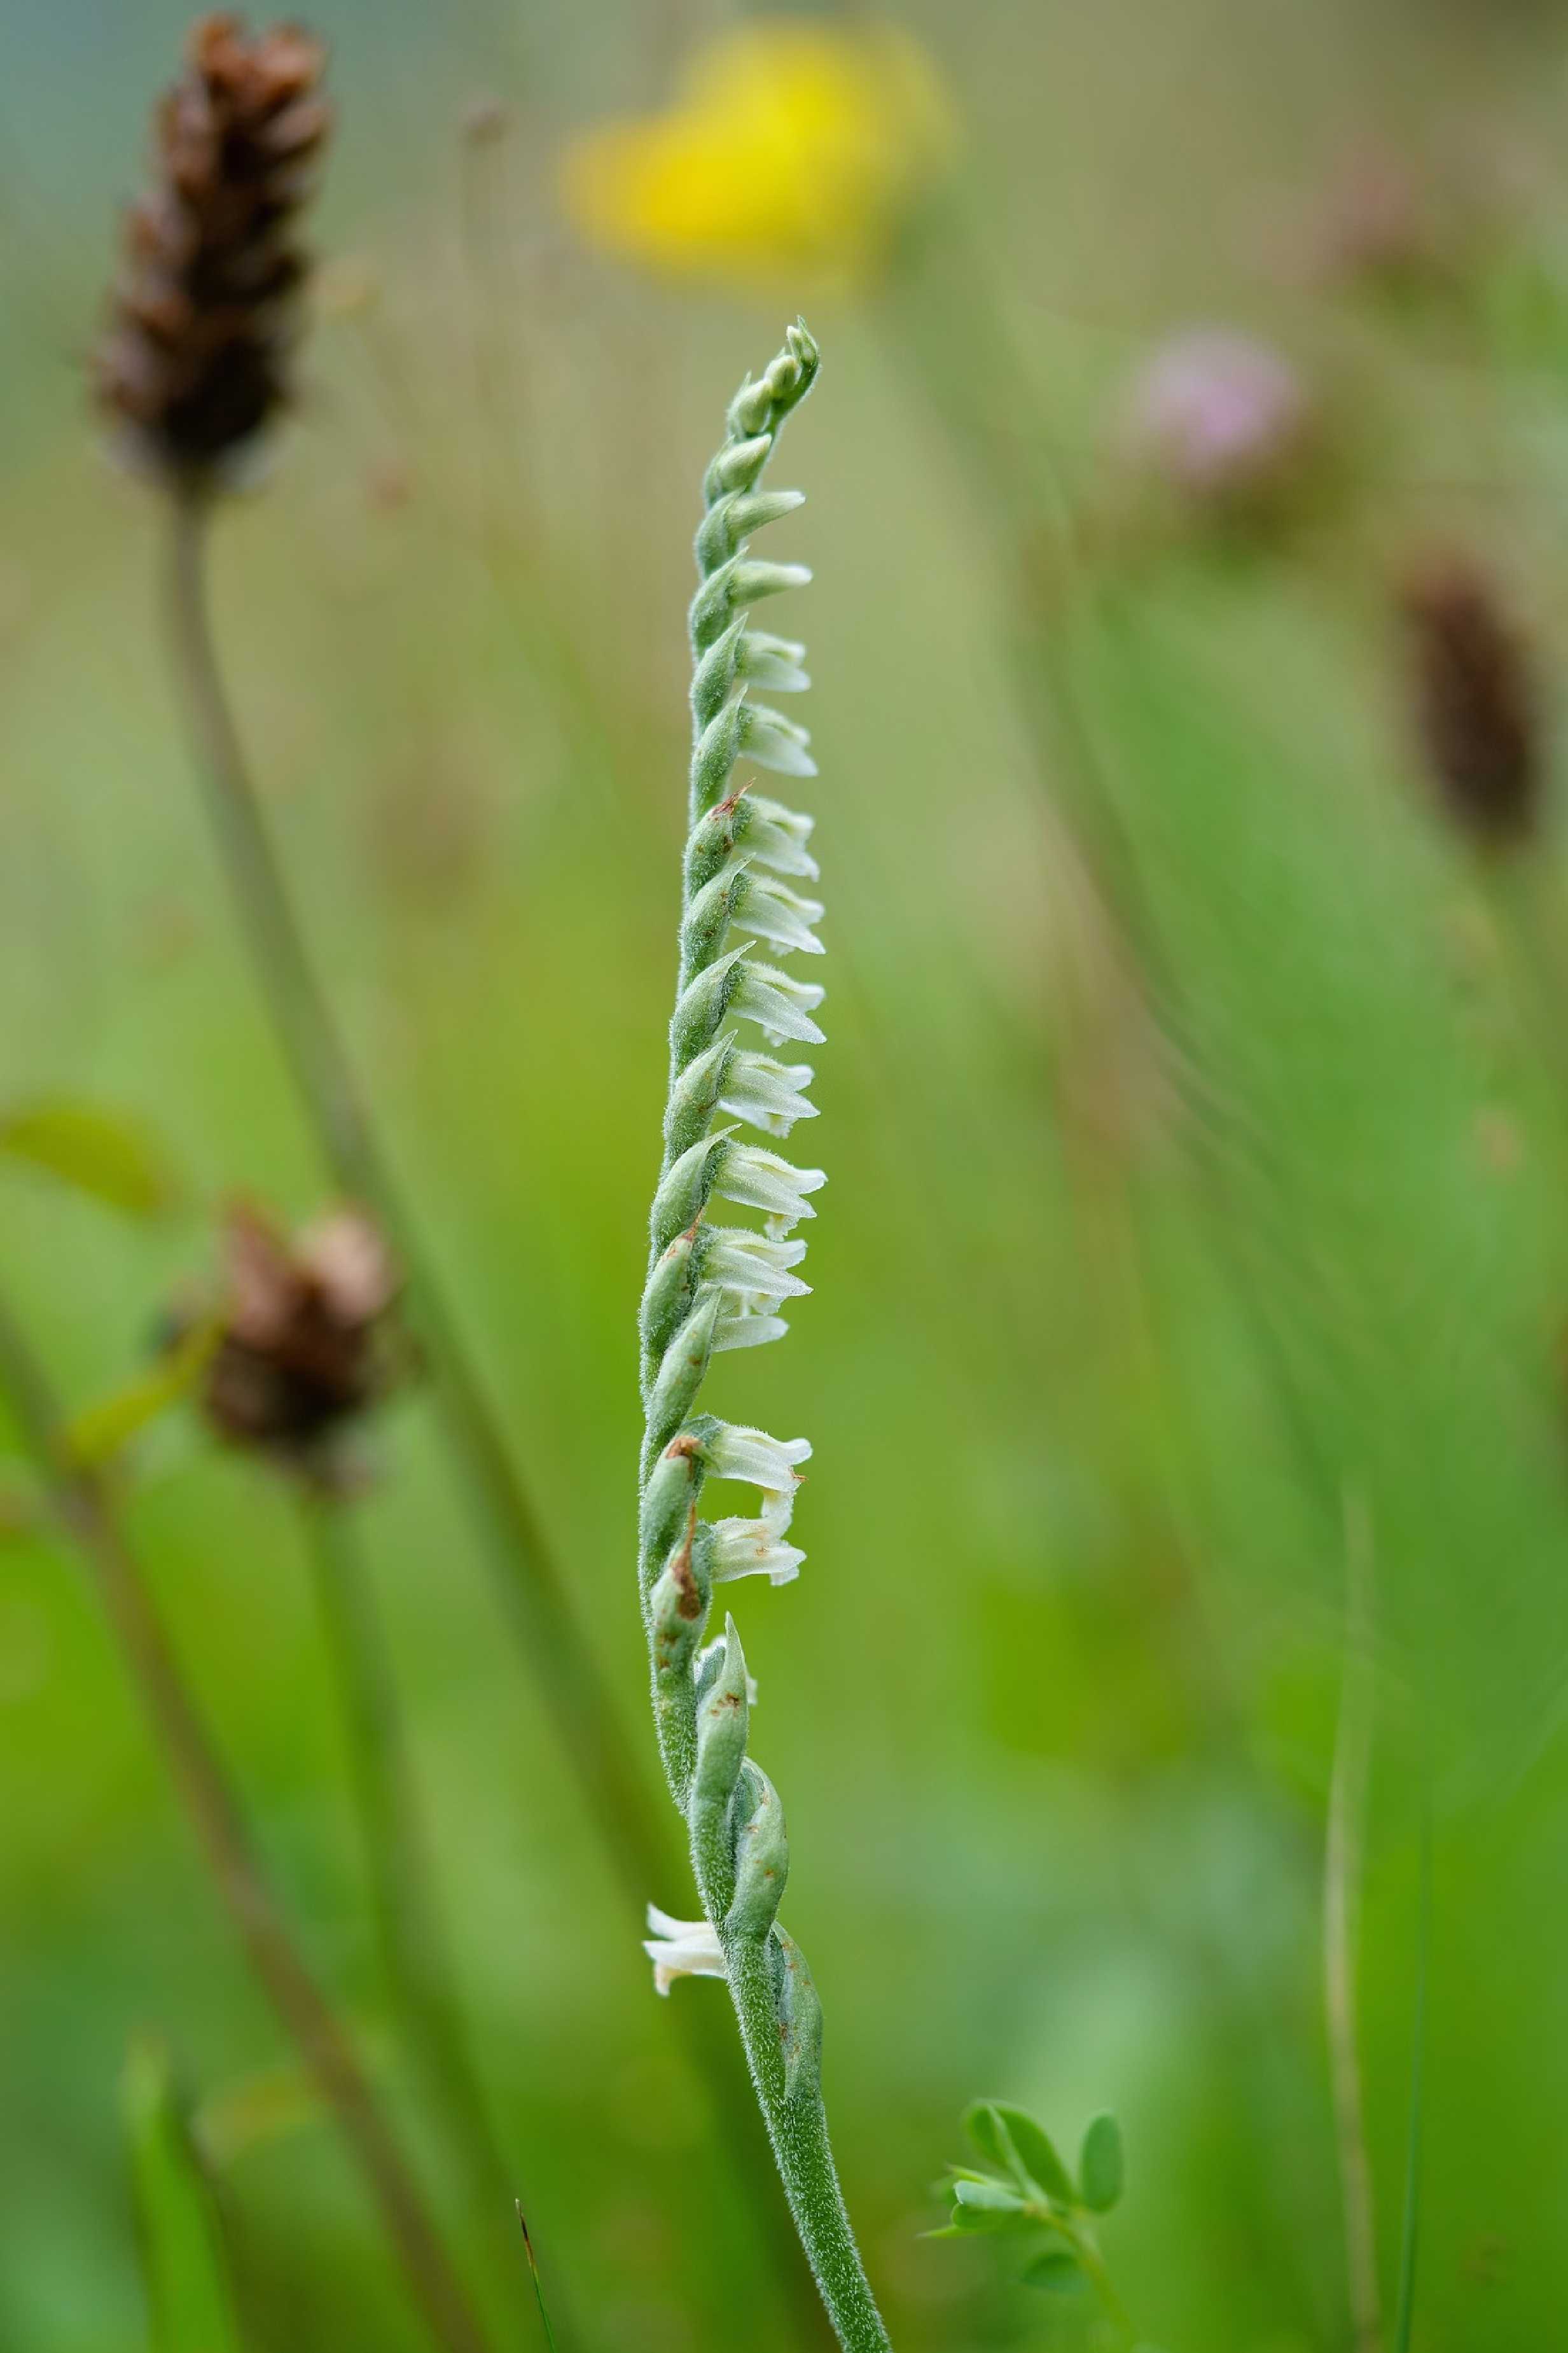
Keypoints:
pixel 1100 2168
pixel 111 1158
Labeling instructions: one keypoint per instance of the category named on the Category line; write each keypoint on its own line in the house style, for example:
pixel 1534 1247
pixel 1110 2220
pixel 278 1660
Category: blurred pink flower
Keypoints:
pixel 1220 416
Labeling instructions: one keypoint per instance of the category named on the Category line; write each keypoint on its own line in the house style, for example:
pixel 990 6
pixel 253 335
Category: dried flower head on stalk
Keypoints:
pixel 1475 700
pixel 306 1347
pixel 196 364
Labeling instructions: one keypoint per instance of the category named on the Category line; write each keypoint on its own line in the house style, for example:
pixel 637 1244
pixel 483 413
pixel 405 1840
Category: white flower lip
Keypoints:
pixel 781 1008
pixel 774 662
pixel 761 1180
pixel 777 837
pixel 751 1266
pixel 747 1329
pixel 781 916
pixel 774 742
pixel 753 1548
pixel 770 1096
pixel 738 1452
pixel 681 1948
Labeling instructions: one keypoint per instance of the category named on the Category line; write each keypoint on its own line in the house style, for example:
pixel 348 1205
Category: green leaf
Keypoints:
pixel 995 2195
pixel 981 2124
pixel 1016 2142
pixel 105 1430
pixel 1100 2168
pixel 1056 2272
pixel 988 2206
pixel 95 1151
pixel 186 2270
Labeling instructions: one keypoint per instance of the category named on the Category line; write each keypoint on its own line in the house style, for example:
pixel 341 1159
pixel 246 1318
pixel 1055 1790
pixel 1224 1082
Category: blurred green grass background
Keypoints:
pixel 1092 1381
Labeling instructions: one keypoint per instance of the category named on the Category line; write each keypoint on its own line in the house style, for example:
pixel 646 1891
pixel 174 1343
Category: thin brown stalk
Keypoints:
pixel 417 1963
pixel 1342 1884
pixel 202 1783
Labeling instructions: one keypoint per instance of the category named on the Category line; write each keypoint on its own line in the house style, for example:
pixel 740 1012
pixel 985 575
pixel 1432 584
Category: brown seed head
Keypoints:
pixel 306 1349
pixel 206 310
pixel 1474 701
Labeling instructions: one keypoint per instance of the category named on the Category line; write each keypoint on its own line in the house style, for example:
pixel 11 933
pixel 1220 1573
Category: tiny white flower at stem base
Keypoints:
pixel 681 1948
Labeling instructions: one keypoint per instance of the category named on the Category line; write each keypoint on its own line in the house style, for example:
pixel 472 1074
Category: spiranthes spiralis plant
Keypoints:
pixel 1026 2193
pixel 714 1285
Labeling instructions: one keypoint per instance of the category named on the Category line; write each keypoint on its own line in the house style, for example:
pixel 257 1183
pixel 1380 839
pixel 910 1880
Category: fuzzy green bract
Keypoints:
pixel 716 1283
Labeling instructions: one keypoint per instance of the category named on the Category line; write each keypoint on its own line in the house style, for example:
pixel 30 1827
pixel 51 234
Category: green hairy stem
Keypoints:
pixel 714 1285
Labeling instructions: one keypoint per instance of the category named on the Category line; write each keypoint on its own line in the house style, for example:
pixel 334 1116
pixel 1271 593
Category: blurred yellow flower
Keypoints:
pixel 793 147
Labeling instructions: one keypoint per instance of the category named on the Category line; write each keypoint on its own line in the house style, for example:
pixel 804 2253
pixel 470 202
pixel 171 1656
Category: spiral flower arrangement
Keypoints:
pixel 717 1285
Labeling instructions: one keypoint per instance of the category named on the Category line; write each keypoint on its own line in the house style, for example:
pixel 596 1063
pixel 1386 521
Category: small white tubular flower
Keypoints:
pixel 751 1265
pixel 770 1096
pixel 777 837
pixel 774 742
pixel 774 662
pixel 781 916
pixel 745 1327
pixel 736 1452
pixel 681 1948
pixel 781 1008
pixel 761 1180
pixel 757 1547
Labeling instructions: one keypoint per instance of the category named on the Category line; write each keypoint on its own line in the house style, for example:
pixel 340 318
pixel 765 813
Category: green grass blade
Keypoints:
pixel 190 2295
pixel 1409 2231
pixel 533 2272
